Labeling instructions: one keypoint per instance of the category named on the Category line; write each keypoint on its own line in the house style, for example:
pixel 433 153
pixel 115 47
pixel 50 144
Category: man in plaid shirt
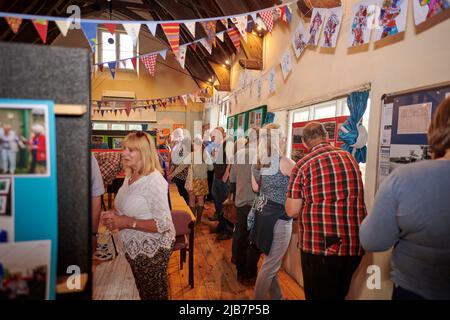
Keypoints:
pixel 326 191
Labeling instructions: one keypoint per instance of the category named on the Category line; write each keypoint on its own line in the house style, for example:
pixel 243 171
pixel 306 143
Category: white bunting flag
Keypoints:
pixel 271 84
pixel 220 36
pixel 241 25
pixel 152 27
pixel 191 27
pixel 163 54
pixel 181 55
pixel 63 26
pixel 185 99
pixel 133 31
pixel 207 46
pixel 286 63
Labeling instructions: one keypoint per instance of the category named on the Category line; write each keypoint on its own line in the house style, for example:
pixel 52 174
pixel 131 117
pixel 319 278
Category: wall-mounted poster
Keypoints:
pixel 330 127
pixel 117 143
pixel 251 121
pixel 331 28
pixel 230 125
pixel 317 19
pixel 362 17
pixel 426 9
pixel 28 134
pixel 392 18
pixel 299 39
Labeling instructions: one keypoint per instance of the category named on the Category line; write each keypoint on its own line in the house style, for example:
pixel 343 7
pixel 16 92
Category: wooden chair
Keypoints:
pixel 184 240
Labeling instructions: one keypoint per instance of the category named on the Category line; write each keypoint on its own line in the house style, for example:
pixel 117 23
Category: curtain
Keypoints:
pixel 352 127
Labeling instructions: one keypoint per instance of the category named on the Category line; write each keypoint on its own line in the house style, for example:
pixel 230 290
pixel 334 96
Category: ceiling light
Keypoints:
pixel 227 61
pixel 224 66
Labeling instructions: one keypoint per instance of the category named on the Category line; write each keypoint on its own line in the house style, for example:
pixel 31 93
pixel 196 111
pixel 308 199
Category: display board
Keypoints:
pixel 241 122
pixel 61 75
pixel 331 125
pixel 404 124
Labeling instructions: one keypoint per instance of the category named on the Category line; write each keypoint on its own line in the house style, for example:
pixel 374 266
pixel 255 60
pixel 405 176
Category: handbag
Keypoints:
pixel 189 180
pixel 251 214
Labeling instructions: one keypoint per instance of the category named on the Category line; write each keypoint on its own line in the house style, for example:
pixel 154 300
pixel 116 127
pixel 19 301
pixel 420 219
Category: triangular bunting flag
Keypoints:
pixel 120 110
pixel 267 17
pixel 206 44
pixel 185 99
pixel 102 112
pixel 192 96
pixel 100 67
pixel 14 23
pixel 253 15
pixel 112 68
pixel 235 38
pixel 191 27
pixel 150 63
pixel 90 32
pixel 224 22
pixel 286 14
pixel 63 26
pixel 152 27
pixel 220 35
pixel 127 107
pixel 210 29
pixel 194 46
pixel 241 25
pixel 111 27
pixel 133 31
pixel 172 31
pixel 41 27
pixel 115 112
pixel 181 55
pixel 134 62
pixel 163 54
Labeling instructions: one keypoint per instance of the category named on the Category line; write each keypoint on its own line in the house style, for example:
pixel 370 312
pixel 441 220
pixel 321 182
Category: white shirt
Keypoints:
pixel 97 188
pixel 10 141
pixel 146 199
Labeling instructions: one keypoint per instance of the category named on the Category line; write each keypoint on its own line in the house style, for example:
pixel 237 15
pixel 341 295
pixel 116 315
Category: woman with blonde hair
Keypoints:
pixel 272 226
pixel 143 217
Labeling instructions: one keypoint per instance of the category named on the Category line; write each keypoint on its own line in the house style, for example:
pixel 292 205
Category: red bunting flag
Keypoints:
pixel 134 61
pixel 100 67
pixel 172 31
pixel 267 17
pixel 41 27
pixel 150 63
pixel 127 107
pixel 14 23
pixel 235 38
pixel 111 27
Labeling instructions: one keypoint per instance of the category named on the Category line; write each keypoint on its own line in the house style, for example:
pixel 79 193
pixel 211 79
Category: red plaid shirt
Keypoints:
pixel 328 180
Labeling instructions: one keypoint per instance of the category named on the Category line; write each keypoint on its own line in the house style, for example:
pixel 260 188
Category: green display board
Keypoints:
pixel 249 119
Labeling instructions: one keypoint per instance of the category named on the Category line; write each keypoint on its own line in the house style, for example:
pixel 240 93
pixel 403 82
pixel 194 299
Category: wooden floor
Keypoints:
pixel 214 274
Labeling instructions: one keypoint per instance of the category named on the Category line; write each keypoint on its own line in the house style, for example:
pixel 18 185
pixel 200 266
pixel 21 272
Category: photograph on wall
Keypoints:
pixel 230 123
pixel 362 18
pixel 401 154
pixel 330 127
pixel 25 270
pixel 331 28
pixel 97 142
pixel 23 139
pixel 426 9
pixel 299 39
pixel 315 26
pixel 117 143
pixel 297 133
pixel 392 18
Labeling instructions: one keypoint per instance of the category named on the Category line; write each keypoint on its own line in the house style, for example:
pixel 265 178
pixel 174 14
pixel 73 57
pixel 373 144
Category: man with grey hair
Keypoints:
pixel 326 191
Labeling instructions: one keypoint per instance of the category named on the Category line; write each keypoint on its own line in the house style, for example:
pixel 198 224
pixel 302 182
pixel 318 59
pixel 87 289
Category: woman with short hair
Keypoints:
pixel 143 217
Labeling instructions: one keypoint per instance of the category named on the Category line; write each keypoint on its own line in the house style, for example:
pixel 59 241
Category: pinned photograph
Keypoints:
pixel 24 139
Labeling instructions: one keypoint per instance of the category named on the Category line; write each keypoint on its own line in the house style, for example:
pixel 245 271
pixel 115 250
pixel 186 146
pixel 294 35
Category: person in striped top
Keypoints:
pixel 327 193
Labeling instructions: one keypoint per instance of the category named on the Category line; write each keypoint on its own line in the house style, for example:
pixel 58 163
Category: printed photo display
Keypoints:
pixel 23 139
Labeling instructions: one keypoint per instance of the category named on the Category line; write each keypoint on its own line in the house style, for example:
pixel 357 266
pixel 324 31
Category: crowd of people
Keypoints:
pixel 323 190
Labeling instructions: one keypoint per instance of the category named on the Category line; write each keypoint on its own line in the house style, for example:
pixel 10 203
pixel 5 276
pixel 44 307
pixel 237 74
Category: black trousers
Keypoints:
pixel 181 189
pixel 210 196
pixel 327 277
pixel 247 255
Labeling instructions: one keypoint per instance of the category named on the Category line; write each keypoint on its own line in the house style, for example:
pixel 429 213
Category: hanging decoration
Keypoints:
pixel 317 19
pixel 181 55
pixel 191 27
pixel 220 36
pixel 362 17
pixel 41 26
pixel 63 26
pixel 271 83
pixel 241 25
pixel 210 29
pixel 206 44
pixel 172 31
pixel 299 39
pixel 234 36
pixel 286 63
pixel 426 9
pixel 127 107
pixel 267 17
pixel 133 31
pixel 14 23
pixel 112 68
pixel 111 28
pixel 152 27
pixel 392 18
pixel 331 28
pixel 134 62
pixel 90 32
pixel 150 63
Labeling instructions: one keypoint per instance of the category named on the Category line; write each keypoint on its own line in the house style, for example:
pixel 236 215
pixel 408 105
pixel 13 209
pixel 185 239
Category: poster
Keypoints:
pixel 271 84
pixel 315 26
pixel 29 227
pixel 362 22
pixel 299 39
pixel 241 118
pixel 252 118
pixel 392 18
pixel 426 9
pixel 230 123
pixel 117 143
pixel 330 127
pixel 286 63
pixel 331 28
pixel 414 119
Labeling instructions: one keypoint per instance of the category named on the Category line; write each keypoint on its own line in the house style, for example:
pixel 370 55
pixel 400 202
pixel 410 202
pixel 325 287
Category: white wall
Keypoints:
pixel 417 59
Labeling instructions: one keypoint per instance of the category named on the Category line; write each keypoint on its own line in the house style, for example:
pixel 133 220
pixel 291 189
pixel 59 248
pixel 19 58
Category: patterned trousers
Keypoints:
pixel 150 275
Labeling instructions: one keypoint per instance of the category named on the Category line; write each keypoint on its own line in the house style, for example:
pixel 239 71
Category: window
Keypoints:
pixel 99 126
pixel 137 127
pixel 117 126
pixel 117 47
pixel 301 115
pixel 324 111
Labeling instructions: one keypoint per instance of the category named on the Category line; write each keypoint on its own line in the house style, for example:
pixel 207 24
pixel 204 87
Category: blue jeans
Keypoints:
pixel 220 193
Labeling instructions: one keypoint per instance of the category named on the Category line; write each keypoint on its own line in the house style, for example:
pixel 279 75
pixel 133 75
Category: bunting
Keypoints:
pixel 172 31
pixel 185 99
pixel 235 38
pixel 111 27
pixel 267 17
pixel 127 107
pixel 100 67
pixel 63 26
pixel 191 27
pixel 14 23
pixel 134 62
pixel 220 36
pixel 133 31
pixel 152 27
pixel 206 44
pixel 224 22
pixel 163 54
pixel 90 32
pixel 150 63
pixel 41 27
pixel 210 29
pixel 181 55
pixel 241 25
pixel 112 68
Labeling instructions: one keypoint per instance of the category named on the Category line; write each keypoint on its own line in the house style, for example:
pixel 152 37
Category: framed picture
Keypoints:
pixel 4 185
pixel 251 122
pixel 117 143
pixel 3 204
pixel 230 123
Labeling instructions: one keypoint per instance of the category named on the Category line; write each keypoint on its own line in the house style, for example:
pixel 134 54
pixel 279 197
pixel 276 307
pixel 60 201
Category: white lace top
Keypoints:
pixel 146 199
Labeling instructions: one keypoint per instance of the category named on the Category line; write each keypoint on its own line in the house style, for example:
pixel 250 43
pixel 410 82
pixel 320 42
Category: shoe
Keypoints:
pixel 224 236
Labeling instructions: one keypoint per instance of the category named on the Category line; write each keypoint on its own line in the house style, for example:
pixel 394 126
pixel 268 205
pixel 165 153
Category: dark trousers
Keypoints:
pixel 400 293
pixel 210 182
pixel 220 193
pixel 181 189
pixel 327 277
pixel 247 255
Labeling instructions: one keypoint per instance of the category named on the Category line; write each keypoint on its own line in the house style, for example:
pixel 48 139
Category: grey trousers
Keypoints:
pixel 267 286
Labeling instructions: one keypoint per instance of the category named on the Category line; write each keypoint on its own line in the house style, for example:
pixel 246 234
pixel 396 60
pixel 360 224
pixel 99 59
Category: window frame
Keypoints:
pixel 119 65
